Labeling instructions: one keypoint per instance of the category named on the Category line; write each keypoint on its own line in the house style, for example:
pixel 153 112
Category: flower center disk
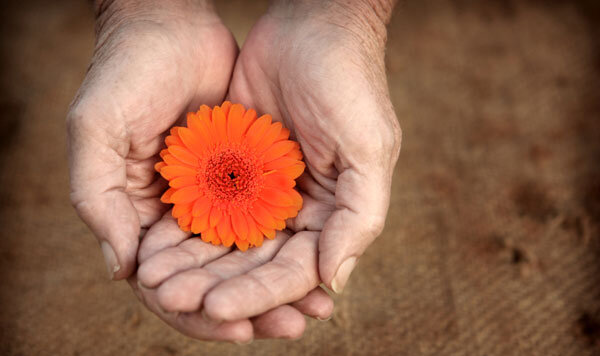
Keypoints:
pixel 233 176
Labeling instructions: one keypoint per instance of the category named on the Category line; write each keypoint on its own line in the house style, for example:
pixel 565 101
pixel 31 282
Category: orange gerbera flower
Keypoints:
pixel 231 175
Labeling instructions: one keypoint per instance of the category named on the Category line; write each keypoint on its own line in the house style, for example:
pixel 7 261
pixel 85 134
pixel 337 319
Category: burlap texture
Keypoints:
pixel 492 241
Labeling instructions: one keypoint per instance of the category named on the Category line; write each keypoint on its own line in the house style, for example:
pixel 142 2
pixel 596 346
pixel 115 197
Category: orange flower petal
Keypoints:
pixel 276 197
pixel 277 150
pixel 166 197
pixel 292 171
pixel 170 172
pixel 247 120
pixel 200 224
pixel 296 198
pixel 184 155
pixel 211 235
pixel 215 216
pixel 183 181
pixel 295 153
pixel 191 140
pixel 284 134
pixel 269 233
pixel 280 163
pixel 205 113
pixel 279 181
pixel 159 165
pixel 185 195
pixel 262 216
pixel 257 130
pixel 220 123
pixel 269 138
pixel 163 152
pixel 170 160
pixel 276 212
pixel 253 231
pixel 173 140
pixel 238 223
pixel 180 210
pixel 185 220
pixel 203 127
pixel 225 107
pixel 279 224
pixel 204 236
pixel 201 207
pixel 242 244
pixel 259 239
pixel 291 211
pixel 225 232
pixel 234 123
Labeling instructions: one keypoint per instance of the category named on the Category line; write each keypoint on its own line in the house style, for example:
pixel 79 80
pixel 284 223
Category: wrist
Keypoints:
pixel 110 13
pixel 366 19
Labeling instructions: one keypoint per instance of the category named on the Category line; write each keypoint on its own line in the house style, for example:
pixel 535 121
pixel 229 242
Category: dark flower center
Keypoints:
pixel 233 176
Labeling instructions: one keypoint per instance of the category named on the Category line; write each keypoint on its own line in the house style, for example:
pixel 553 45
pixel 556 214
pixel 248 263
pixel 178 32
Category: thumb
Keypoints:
pixel 98 180
pixel 362 200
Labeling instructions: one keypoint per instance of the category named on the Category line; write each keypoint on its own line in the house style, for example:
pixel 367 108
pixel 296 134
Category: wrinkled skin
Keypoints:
pixel 314 74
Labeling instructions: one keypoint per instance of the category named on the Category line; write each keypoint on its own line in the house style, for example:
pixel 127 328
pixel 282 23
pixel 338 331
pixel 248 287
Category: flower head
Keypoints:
pixel 231 175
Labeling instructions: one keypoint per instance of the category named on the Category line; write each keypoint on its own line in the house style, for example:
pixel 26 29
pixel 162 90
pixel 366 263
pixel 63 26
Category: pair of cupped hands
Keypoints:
pixel 315 66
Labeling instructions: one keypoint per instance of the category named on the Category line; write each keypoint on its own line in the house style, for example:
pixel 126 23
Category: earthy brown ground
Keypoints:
pixel 492 241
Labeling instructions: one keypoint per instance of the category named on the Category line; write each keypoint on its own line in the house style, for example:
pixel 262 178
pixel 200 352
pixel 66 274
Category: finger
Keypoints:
pixel 362 199
pixel 192 324
pixel 163 234
pixel 311 187
pixel 191 253
pixel 144 196
pixel 312 216
pixel 317 304
pixel 185 291
pixel 288 277
pixel 283 322
pixel 98 182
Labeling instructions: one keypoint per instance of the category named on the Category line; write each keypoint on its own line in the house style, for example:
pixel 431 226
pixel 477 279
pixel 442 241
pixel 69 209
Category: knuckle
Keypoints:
pixel 81 205
pixel 80 118
pixel 168 299
pixel 374 225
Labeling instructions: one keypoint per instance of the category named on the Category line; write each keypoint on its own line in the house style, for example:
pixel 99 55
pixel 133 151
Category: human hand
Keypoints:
pixel 153 62
pixel 325 79
pixel 319 68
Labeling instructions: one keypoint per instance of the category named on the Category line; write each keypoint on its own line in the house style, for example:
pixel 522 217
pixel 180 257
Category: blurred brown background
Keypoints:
pixel 492 241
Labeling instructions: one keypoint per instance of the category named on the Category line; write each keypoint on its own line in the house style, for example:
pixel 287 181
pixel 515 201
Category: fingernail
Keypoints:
pixel 326 319
pixel 112 264
pixel 342 275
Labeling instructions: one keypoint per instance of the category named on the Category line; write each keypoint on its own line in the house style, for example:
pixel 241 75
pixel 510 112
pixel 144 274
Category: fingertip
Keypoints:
pixel 123 262
pixel 343 274
pixel 217 308
pixel 283 322
pixel 325 310
pixel 171 299
pixel 317 304
pixel 146 275
pixel 192 324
